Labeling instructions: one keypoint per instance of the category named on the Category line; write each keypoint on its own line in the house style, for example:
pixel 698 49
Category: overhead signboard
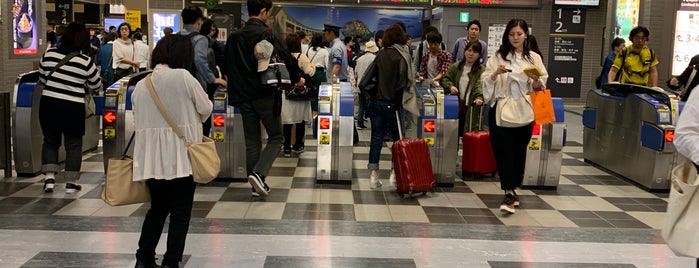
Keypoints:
pixel 494 3
pixel 576 2
pixel 133 18
pixel 64 11
pixel 686 35
pixel 566 47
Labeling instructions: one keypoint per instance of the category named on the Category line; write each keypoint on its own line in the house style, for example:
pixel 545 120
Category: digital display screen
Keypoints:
pixel 162 20
pixel 512 3
pixel 109 22
pixel 24 31
pixel 396 1
pixel 576 2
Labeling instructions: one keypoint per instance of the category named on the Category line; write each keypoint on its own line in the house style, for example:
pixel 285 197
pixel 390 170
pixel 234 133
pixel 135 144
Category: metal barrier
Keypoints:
pixel 5 152
pixel 335 133
pixel 545 152
pixel 438 125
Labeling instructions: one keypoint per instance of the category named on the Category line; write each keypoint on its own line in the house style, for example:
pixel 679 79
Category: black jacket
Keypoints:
pixel 244 82
pixel 393 77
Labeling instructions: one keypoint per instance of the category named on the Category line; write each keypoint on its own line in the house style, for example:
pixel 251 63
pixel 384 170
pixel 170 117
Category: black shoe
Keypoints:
pixel 49 184
pixel 140 264
pixel 508 204
pixel 287 152
pixel 260 186
pixel 170 265
pixel 72 188
pixel 299 149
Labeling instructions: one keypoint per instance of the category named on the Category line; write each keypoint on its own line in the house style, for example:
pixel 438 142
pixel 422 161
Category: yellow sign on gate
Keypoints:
pixel 218 136
pixel 324 139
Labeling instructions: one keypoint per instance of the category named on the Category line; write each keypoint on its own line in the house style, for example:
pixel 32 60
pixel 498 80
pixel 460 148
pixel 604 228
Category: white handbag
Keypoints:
pixel 514 112
pixel 681 229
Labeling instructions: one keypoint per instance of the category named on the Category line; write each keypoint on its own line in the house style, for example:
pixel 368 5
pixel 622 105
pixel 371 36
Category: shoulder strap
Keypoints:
pixel 161 108
pixel 63 61
pixel 689 81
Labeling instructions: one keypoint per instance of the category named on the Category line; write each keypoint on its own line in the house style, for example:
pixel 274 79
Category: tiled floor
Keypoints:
pixel 328 225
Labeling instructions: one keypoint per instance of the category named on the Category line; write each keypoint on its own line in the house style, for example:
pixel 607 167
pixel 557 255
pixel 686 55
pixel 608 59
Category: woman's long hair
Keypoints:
pixel 478 48
pixel 507 48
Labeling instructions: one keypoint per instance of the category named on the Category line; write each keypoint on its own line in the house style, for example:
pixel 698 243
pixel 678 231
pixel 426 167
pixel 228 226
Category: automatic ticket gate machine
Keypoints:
pixel 545 152
pixel 26 130
pixel 118 121
pixel 227 133
pixel 438 125
pixel 629 130
pixel 335 133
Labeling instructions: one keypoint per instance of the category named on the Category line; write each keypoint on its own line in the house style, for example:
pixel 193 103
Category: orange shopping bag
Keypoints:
pixel 543 107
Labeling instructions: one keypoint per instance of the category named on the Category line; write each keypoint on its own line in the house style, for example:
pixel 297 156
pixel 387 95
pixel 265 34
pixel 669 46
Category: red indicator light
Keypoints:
pixel 324 123
pixel 109 117
pixel 218 120
pixel 669 135
pixel 428 126
pixel 536 130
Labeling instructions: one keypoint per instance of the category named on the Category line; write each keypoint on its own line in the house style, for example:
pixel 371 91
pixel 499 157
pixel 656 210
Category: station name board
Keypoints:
pixel 509 3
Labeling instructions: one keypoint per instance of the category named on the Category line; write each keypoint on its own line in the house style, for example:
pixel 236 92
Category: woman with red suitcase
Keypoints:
pixel 506 88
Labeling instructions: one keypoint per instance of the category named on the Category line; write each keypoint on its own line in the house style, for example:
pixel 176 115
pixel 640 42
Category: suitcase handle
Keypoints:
pixel 400 127
pixel 480 118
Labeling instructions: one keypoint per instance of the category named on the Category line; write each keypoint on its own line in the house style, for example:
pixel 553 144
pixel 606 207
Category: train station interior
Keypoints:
pixel 595 190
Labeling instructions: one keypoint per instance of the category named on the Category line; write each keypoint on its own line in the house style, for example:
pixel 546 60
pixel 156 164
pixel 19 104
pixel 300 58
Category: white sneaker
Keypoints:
pixel 392 180
pixel 375 182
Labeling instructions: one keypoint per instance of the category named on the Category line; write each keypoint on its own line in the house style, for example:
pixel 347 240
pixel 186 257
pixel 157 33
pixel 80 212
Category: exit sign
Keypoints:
pixel 464 16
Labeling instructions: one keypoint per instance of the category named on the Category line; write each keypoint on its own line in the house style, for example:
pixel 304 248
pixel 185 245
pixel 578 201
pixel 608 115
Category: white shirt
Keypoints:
pixel 158 152
pixel 141 53
pixel 363 64
pixel 319 57
pixel 122 49
pixel 516 83
pixel 464 81
pixel 687 131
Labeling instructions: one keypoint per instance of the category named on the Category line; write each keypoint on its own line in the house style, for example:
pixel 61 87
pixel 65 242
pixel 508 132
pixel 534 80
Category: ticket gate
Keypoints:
pixel 438 125
pixel 628 130
pixel 227 133
pixel 118 120
pixel 26 130
pixel 545 152
pixel 335 133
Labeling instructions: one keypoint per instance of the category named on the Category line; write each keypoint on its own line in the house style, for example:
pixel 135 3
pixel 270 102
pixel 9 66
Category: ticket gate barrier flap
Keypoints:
pixel 544 156
pixel 558 109
pixel 335 133
pixel 227 132
pixel 439 128
pixel 26 129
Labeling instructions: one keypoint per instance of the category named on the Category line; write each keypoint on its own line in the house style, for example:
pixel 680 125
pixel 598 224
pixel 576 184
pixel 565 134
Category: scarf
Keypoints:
pixel 410 102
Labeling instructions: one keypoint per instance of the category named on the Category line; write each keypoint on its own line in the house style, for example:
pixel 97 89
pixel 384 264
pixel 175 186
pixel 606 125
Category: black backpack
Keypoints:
pixel 352 62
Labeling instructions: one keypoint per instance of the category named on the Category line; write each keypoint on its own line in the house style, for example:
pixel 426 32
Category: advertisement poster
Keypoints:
pixel 626 17
pixel 162 20
pixel 361 22
pixel 24 31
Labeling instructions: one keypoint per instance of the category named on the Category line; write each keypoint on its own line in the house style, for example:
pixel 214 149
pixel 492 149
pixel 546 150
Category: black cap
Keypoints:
pixel 331 27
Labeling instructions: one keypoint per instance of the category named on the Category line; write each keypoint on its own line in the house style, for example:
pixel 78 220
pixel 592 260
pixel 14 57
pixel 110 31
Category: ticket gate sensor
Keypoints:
pixel 628 130
pixel 118 121
pixel 227 133
pixel 438 126
pixel 335 133
pixel 26 130
pixel 545 152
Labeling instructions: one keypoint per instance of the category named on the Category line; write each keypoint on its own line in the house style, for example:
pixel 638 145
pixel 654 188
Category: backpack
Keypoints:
pixel 352 62
pixel 190 36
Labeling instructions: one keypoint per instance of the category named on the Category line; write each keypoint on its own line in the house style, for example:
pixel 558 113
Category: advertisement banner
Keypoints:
pixel 162 20
pixel 24 32
pixel 626 17
pixel 133 18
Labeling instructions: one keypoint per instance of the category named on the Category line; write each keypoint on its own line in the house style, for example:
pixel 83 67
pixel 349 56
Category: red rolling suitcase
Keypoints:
pixel 412 165
pixel 478 158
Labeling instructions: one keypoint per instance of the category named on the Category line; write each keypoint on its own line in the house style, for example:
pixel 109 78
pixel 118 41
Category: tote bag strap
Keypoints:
pixel 162 110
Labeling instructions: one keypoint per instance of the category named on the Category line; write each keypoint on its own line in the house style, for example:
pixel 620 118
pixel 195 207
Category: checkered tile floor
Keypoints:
pixel 586 197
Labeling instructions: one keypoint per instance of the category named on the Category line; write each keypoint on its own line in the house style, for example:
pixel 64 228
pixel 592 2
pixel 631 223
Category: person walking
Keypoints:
pixel 473 32
pixel 464 79
pixel 62 104
pixel 363 63
pixel 296 112
pixel 258 102
pixel 617 44
pixel 435 61
pixel 504 76
pixel 637 62
pixel 160 156
pixel 394 77
pixel 104 59
pixel 123 53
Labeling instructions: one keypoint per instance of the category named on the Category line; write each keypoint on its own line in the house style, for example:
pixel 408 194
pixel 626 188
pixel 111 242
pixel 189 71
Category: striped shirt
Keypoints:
pixel 70 80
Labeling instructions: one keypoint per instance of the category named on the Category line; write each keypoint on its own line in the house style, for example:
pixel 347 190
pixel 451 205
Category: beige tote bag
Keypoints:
pixel 119 187
pixel 681 229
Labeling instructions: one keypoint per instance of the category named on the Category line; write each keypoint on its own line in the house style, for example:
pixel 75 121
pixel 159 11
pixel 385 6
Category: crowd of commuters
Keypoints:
pixel 189 66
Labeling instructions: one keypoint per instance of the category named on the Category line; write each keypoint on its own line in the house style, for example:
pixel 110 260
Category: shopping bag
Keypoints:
pixel 682 217
pixel 205 161
pixel 119 187
pixel 543 107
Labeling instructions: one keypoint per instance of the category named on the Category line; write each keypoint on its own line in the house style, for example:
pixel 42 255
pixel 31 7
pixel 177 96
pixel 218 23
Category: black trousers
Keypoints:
pixel 300 134
pixel 510 150
pixel 174 197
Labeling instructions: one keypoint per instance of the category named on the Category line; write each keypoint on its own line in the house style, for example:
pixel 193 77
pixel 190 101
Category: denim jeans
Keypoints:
pixel 65 120
pixel 254 112
pixel 168 197
pixel 383 119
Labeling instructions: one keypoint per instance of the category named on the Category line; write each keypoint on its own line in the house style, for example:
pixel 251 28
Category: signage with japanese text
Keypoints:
pixel 566 43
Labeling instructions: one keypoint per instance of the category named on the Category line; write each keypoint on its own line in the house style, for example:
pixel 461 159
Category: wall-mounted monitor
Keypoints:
pixel 25 37
pixel 162 19
pixel 109 22
pixel 576 2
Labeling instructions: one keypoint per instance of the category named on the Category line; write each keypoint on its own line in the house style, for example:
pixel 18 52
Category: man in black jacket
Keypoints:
pixel 257 102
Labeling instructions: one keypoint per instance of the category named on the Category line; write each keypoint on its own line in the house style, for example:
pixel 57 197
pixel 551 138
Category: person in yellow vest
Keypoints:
pixel 636 64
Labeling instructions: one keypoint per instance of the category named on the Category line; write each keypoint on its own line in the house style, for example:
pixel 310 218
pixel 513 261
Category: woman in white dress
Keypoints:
pixel 296 112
